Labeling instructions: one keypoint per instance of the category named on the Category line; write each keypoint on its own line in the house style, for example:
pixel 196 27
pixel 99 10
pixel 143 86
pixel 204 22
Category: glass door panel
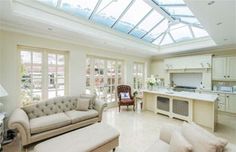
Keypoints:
pixel 103 76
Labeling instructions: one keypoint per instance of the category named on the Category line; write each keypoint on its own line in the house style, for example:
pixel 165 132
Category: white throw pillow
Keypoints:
pixel 200 141
pixel 124 95
pixel 91 97
pixel 179 144
pixel 221 143
pixel 83 104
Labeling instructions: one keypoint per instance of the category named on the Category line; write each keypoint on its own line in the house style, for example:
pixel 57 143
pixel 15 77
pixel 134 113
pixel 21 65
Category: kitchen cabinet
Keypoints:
pixel 188 62
pixel 221 102
pixel 223 68
pixel 231 103
pixel 231 68
pixel 227 102
pixel 219 68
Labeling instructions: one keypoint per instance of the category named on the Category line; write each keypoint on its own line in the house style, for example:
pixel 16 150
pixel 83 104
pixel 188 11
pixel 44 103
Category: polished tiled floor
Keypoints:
pixel 141 129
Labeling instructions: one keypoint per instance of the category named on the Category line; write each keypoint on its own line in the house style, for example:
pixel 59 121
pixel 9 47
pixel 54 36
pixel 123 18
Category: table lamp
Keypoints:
pixel 3 93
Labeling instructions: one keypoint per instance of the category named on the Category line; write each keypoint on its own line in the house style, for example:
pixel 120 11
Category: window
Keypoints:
pixel 43 74
pixel 149 21
pixel 138 75
pixel 103 76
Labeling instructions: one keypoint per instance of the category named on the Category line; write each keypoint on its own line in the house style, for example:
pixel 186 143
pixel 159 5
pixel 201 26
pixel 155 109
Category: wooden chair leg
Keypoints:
pixel 134 107
pixel 119 108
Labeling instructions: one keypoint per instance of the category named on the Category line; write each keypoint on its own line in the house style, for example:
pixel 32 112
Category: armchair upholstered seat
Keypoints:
pixel 127 101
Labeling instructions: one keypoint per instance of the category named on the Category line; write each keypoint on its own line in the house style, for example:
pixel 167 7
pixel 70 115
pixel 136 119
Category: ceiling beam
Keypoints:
pixel 163 38
pixel 153 28
pixel 171 37
pixel 123 13
pixel 191 16
pixel 191 30
pixel 172 5
pixel 95 9
pixel 157 37
pixel 58 3
pixel 141 21
pixel 195 25
pixel 159 9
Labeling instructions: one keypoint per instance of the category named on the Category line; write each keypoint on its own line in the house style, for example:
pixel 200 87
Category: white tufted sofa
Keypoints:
pixel 53 117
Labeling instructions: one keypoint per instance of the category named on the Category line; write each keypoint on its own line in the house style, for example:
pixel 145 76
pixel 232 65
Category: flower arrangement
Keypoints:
pixel 151 81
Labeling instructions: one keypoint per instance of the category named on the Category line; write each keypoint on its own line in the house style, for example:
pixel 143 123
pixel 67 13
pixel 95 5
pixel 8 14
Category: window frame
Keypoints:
pixel 135 75
pixel 92 76
pixel 44 63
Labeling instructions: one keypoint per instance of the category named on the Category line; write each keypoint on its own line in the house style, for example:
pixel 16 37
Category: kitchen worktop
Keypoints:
pixel 214 91
pixel 186 95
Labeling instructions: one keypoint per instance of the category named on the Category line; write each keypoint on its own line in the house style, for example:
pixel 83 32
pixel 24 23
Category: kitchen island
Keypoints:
pixel 188 106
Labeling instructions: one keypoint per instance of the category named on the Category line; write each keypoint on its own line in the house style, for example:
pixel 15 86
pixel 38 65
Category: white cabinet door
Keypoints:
pixel 219 68
pixel 231 65
pixel 231 103
pixel 221 102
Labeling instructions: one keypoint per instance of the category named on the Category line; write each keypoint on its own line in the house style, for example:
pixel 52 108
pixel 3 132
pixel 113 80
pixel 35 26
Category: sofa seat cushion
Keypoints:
pixel 77 116
pixel 159 146
pixel 45 123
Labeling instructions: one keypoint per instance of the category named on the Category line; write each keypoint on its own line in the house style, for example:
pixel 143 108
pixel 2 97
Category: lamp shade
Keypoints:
pixel 2 91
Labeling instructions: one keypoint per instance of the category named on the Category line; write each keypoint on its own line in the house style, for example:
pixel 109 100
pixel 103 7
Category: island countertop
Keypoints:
pixel 184 94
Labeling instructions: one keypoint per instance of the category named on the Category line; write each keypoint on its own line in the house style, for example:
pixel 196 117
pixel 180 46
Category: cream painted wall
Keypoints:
pixel 77 59
pixel 158 68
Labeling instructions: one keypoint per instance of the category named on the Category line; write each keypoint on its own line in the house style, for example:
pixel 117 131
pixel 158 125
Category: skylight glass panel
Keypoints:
pixel 82 8
pixel 168 2
pixel 109 11
pixel 49 2
pixel 158 40
pixel 198 32
pixel 147 24
pixel 162 27
pixel 181 34
pixel 167 40
pixel 178 10
pixel 135 13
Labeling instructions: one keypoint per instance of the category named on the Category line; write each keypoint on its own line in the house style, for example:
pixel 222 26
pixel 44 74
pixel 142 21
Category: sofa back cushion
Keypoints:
pixel 179 144
pixel 200 141
pixel 51 106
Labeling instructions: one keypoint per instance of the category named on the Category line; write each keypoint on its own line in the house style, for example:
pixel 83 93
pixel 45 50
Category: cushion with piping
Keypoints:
pixel 124 95
pixel 91 97
pixel 83 104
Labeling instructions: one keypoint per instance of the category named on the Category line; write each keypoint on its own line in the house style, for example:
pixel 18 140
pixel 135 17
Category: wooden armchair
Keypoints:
pixel 127 101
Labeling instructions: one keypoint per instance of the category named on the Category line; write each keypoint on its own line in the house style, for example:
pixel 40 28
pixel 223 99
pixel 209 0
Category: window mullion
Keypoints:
pixel 56 79
pixel 45 75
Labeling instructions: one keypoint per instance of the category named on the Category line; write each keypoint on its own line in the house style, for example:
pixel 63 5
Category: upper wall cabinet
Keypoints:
pixel 224 68
pixel 189 62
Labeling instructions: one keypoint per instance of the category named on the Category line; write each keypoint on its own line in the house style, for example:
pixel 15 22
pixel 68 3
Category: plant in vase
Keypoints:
pixel 151 82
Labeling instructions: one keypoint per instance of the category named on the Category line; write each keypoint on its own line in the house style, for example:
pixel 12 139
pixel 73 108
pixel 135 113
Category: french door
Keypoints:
pixel 102 77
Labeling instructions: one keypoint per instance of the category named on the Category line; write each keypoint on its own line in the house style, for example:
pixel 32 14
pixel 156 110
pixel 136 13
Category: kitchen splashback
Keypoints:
pixel 186 79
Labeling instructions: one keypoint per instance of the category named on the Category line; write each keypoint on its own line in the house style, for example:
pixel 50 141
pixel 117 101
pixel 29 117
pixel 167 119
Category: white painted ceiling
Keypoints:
pixel 221 12
pixel 28 18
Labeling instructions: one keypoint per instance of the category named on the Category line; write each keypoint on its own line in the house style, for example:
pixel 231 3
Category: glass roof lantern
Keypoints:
pixel 173 22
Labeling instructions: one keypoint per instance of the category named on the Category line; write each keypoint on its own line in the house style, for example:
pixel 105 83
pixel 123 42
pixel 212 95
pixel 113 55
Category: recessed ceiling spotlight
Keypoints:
pixel 50 29
pixel 219 23
pixel 211 2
